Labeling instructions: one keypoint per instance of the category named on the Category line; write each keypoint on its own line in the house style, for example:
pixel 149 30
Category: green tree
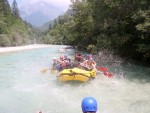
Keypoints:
pixel 82 24
pixel 15 10
pixel 5 8
pixel 122 26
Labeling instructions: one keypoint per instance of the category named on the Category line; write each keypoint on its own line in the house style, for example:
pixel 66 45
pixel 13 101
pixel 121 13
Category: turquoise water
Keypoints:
pixel 24 89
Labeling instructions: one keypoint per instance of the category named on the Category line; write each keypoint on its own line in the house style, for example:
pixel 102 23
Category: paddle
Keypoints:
pixel 52 70
pixel 105 71
pixel 44 70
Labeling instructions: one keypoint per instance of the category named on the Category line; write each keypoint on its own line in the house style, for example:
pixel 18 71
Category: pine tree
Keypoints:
pixel 15 10
pixel 4 8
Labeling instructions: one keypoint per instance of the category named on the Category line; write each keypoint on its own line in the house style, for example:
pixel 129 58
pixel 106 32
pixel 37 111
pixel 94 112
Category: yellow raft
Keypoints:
pixel 76 74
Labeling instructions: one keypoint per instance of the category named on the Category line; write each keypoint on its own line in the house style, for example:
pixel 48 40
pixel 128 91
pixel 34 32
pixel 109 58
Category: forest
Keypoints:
pixel 13 30
pixel 121 26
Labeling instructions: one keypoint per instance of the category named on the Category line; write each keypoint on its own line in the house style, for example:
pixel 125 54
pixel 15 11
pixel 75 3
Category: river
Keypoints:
pixel 24 89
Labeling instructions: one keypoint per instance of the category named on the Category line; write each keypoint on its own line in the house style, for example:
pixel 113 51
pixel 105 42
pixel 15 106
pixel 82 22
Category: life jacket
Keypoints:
pixel 68 62
pixel 64 64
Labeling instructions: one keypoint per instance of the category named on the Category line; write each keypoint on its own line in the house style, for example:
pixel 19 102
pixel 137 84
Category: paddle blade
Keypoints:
pixel 103 69
pixel 108 74
pixel 44 70
pixel 52 71
pixel 105 72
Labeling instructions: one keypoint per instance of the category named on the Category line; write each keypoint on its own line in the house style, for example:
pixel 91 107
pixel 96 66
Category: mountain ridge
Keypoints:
pixel 42 11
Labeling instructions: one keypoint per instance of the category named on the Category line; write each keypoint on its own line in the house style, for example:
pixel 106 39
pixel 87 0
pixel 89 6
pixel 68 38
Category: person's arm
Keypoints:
pixel 94 66
pixel 94 63
pixel 83 63
pixel 59 61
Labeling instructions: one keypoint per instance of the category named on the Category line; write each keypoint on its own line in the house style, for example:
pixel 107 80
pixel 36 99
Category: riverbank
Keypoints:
pixel 26 47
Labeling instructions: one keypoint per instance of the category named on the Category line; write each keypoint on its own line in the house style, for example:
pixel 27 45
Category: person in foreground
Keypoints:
pixel 89 105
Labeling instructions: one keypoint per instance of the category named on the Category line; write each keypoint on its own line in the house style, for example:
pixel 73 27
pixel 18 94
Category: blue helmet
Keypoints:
pixel 89 104
pixel 87 55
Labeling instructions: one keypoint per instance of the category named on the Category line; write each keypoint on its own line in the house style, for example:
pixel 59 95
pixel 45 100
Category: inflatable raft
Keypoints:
pixel 76 74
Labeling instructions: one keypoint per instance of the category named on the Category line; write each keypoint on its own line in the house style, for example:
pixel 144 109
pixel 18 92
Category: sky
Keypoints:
pixel 59 3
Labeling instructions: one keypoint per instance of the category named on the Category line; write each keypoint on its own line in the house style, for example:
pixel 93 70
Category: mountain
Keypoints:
pixel 39 13
pixel 46 25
